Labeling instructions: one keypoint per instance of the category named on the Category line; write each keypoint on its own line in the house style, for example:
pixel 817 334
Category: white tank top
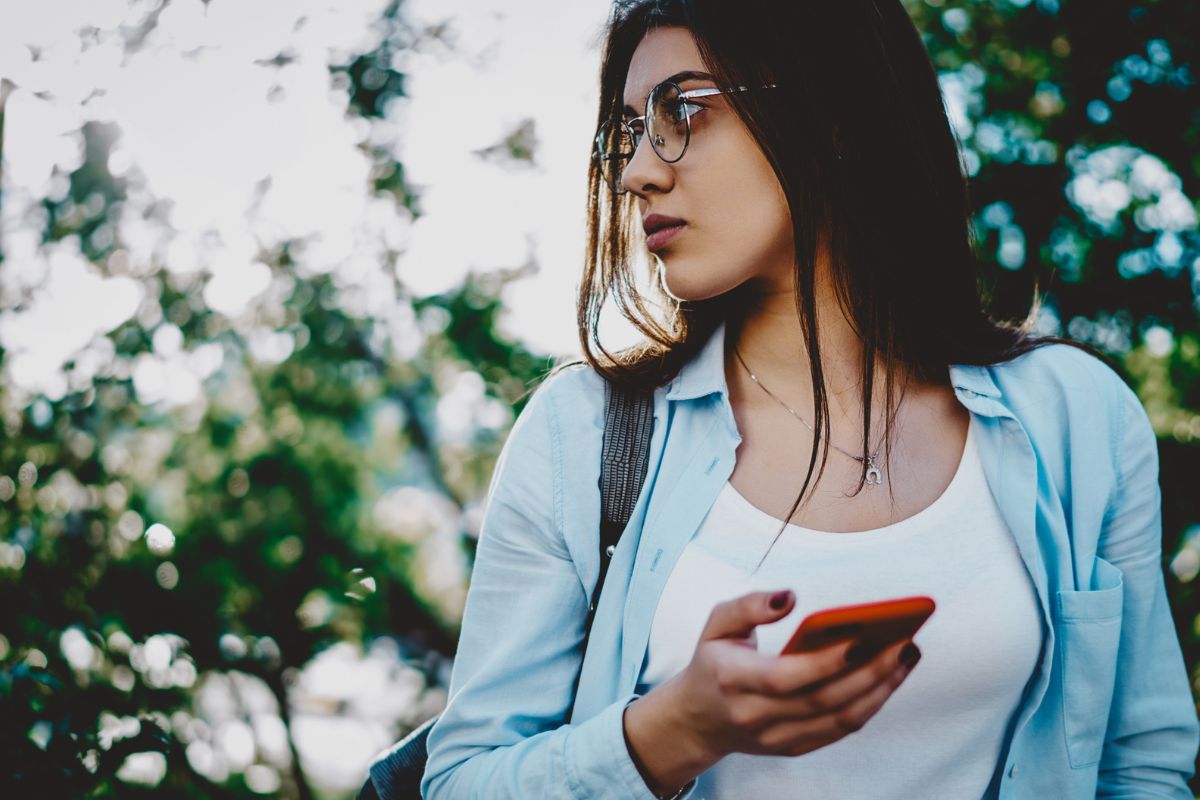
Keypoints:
pixel 942 731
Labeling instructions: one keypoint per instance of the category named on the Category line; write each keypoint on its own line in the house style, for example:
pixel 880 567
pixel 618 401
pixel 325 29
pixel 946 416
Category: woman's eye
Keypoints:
pixel 686 110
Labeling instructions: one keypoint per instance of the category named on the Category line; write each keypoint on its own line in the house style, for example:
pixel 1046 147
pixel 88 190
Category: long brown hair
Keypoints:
pixel 854 79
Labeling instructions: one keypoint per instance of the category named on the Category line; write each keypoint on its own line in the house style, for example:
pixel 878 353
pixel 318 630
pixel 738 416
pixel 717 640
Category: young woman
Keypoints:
pixel 837 421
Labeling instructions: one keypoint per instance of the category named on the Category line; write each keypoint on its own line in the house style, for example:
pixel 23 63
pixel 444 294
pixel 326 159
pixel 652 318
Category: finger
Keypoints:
pixel 795 737
pixel 827 696
pixel 789 674
pixel 737 618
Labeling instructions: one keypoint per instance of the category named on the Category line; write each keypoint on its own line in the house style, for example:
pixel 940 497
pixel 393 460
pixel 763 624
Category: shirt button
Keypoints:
pixel 608 551
pixel 1012 771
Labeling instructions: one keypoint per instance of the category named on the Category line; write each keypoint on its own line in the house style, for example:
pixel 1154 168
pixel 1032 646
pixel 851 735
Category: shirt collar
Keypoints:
pixel 704 374
pixel 974 380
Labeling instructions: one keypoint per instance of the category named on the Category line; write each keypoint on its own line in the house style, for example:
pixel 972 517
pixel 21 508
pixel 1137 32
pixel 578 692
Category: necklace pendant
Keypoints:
pixel 874 474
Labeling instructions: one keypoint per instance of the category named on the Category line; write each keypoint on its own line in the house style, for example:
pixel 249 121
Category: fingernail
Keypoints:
pixel 857 654
pixel 910 655
pixel 780 599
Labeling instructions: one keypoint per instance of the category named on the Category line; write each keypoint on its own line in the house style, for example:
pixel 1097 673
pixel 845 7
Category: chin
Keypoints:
pixel 692 284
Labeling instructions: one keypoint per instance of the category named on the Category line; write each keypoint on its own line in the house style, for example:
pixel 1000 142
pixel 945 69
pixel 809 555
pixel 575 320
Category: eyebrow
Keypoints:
pixel 678 77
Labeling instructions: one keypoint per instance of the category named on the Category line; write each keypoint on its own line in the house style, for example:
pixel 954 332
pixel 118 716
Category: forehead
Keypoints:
pixel 662 54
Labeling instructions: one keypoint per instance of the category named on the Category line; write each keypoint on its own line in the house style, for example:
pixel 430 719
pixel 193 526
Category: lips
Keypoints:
pixel 660 229
pixel 660 237
pixel 653 222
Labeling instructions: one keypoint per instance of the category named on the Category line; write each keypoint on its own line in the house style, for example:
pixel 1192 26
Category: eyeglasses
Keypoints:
pixel 668 120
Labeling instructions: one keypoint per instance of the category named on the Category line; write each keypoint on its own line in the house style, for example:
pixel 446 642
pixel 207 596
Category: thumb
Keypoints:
pixel 737 618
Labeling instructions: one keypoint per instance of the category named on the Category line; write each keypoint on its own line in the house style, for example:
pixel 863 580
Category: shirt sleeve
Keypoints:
pixel 1152 736
pixel 504 733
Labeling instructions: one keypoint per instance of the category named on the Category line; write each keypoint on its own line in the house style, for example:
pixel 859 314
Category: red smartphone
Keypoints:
pixel 877 625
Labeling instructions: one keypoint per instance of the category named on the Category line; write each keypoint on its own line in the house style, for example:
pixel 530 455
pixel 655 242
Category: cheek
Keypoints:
pixel 760 217
pixel 743 226
pixel 741 196
pixel 754 215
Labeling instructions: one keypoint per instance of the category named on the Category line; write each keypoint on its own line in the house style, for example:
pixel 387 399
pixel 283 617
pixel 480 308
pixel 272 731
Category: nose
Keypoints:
pixel 645 170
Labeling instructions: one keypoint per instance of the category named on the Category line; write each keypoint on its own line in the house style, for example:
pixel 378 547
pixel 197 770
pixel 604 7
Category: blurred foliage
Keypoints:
pixel 146 548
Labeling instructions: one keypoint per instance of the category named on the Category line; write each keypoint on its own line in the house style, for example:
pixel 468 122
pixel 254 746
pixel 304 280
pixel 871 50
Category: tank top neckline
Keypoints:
pixel 933 509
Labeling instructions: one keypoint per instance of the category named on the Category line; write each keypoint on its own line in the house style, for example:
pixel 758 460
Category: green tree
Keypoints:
pixel 146 548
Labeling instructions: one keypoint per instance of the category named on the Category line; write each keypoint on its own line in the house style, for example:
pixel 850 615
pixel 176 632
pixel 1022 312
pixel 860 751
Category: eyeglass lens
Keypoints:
pixel 667 125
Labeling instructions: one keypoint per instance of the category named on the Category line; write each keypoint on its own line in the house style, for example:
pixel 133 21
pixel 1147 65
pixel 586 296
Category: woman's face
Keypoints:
pixel 737 224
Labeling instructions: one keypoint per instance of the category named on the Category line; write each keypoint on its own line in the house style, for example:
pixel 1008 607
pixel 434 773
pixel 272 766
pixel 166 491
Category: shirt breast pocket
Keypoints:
pixel 1089 636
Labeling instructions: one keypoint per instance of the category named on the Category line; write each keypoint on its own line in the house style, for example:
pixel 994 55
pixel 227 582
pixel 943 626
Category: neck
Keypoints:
pixel 772 344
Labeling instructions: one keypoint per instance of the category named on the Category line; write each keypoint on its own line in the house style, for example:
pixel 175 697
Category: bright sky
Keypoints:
pixel 537 61
pixel 195 121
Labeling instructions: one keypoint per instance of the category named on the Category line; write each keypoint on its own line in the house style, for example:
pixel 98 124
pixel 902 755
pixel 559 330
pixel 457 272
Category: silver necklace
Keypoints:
pixel 874 473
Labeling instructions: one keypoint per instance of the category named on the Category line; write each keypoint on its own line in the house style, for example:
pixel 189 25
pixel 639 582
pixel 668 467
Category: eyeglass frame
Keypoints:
pixel 707 91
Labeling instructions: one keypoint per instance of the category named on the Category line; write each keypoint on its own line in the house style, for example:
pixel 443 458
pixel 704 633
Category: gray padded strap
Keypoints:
pixel 623 460
pixel 624 456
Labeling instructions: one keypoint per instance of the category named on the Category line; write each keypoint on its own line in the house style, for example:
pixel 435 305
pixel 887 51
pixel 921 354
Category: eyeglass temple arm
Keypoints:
pixel 711 91
pixel 702 93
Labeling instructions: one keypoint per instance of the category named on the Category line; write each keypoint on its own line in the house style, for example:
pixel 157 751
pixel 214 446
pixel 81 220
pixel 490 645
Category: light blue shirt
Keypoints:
pixel 1070 458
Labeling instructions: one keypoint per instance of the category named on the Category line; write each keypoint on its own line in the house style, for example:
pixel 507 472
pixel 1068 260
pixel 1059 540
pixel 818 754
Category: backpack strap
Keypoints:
pixel 624 458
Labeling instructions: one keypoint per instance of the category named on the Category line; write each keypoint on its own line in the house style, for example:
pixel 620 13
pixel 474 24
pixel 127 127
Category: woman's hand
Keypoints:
pixel 731 699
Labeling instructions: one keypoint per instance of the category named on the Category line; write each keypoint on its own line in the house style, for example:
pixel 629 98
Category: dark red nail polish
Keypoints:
pixel 910 655
pixel 780 599
pixel 858 653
